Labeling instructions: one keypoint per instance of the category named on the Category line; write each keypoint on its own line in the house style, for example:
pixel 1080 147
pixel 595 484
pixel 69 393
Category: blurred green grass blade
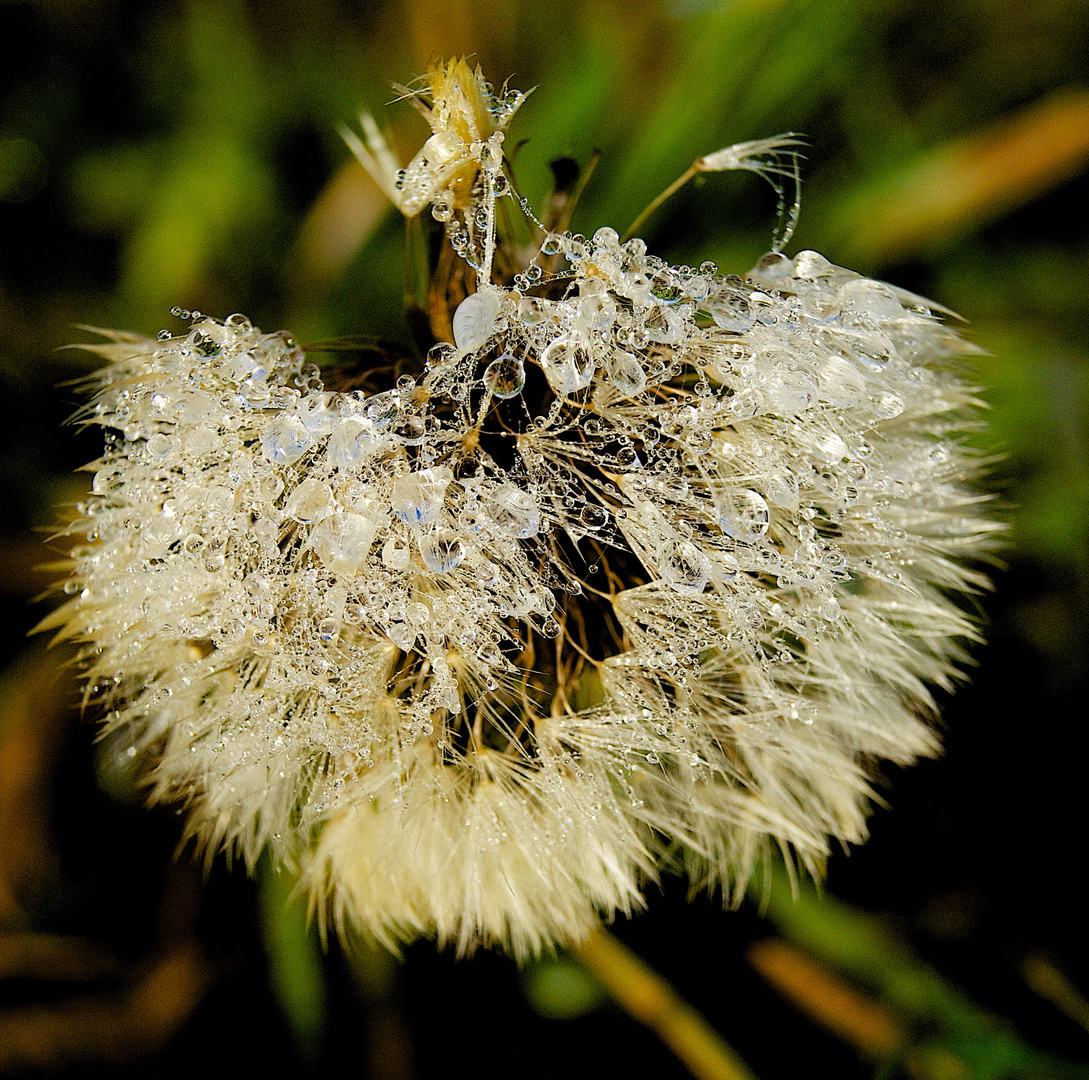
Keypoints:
pixel 214 182
pixel 926 203
pixel 739 67
pixel 294 957
pixel 855 945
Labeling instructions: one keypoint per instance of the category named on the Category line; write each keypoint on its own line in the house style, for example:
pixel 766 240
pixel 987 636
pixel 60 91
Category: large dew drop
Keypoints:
pixel 567 367
pixel 514 511
pixel 475 320
pixel 624 371
pixel 685 568
pixel 744 515
pixel 442 550
pixel 505 377
pixel 417 498
pixel 285 440
pixel 342 541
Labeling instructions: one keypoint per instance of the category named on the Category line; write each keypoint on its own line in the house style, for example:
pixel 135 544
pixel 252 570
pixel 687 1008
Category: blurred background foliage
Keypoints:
pixel 157 153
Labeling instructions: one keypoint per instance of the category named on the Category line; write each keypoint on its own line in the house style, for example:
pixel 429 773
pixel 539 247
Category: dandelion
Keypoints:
pixel 643 569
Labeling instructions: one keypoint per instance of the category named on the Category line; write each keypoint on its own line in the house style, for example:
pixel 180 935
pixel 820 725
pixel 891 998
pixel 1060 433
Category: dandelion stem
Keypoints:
pixel 655 203
pixel 653 1002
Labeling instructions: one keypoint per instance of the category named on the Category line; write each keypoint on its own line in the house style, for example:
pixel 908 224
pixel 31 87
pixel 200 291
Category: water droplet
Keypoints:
pixel 285 440
pixel 410 429
pixel 514 511
pixel 567 367
pixel 309 502
pixel 746 403
pixel 829 447
pixel 744 515
pixel 685 568
pixel 159 446
pixel 475 320
pixel 417 497
pixel 593 516
pixel 395 554
pixel 624 371
pixel 885 406
pixel 505 377
pixel 700 440
pixel 442 550
pixel 342 541
pixel 730 309
pixel 257 586
pixel 782 490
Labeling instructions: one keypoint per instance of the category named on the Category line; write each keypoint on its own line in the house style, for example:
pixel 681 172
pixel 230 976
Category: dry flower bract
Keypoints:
pixel 644 568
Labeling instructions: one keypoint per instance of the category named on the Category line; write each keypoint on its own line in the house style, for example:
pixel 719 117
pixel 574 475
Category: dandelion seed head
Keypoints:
pixel 640 571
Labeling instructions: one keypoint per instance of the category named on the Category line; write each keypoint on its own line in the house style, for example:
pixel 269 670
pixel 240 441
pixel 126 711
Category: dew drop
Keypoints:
pixel 567 367
pixel 624 371
pixel 744 515
pixel 593 516
pixel 417 497
pixel 442 550
pixel 475 320
pixel 514 511
pixel 685 568
pixel 505 377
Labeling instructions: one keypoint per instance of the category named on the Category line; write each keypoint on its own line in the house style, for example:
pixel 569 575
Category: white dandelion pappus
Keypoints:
pixel 643 571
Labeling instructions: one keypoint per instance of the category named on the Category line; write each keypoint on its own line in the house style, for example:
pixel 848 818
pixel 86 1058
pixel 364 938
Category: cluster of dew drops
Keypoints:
pixel 722 433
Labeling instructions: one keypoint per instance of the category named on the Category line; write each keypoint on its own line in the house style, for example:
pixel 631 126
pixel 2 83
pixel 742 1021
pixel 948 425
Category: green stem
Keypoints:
pixel 653 1002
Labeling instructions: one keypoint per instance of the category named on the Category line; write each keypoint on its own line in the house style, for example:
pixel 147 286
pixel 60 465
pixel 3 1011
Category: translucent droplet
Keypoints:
pixel 383 409
pixel 327 629
pixel 872 298
pixel 885 406
pixel 746 403
pixel 829 447
pixel 159 446
pixel 726 567
pixel 593 516
pixel 410 429
pixel 514 511
pixel 505 376
pixel 285 440
pixel 395 554
pixel 257 586
pixel 417 497
pixel 442 550
pixel 309 502
pixel 342 541
pixel 700 440
pixel 627 457
pixel 730 309
pixel 841 383
pixel 475 320
pixel 685 568
pixel 782 490
pixel 352 441
pixel 744 515
pixel 624 371
pixel 795 391
pixel 567 367
pixel 532 310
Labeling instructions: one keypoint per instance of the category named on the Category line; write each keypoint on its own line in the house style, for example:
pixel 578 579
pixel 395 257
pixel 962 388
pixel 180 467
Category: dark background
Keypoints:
pixel 161 153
